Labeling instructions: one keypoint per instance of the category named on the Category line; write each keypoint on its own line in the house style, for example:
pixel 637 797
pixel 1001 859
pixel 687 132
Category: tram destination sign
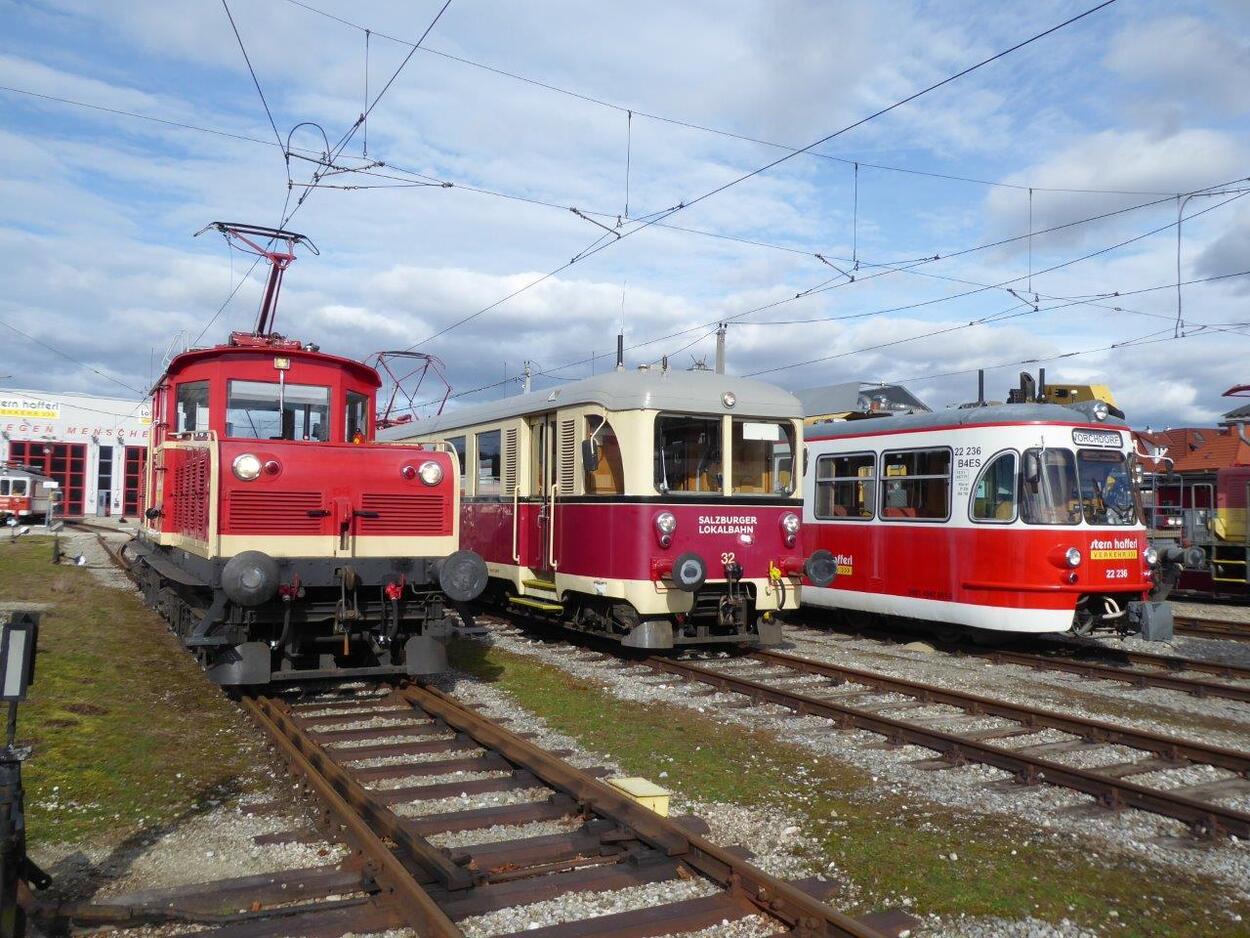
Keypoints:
pixel 1097 438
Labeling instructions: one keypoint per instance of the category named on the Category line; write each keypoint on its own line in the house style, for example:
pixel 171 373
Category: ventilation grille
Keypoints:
pixel 509 461
pixel 260 512
pixel 405 515
pixel 191 493
pixel 568 456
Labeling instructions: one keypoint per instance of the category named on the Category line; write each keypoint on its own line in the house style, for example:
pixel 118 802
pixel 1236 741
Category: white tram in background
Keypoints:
pixel 1005 518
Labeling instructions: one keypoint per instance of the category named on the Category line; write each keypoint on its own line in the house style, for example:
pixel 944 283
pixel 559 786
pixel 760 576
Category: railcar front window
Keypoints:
pixel 688 455
pixel 1048 487
pixel 4 486
pixel 994 495
pixel 191 405
pixel 20 487
pixel 357 417
pixel 1106 488
pixel 267 410
pixel 846 487
pixel 760 457
pixel 916 485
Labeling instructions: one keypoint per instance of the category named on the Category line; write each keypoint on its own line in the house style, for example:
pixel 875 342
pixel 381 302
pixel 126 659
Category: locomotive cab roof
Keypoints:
pixel 963 417
pixel 243 345
pixel 639 389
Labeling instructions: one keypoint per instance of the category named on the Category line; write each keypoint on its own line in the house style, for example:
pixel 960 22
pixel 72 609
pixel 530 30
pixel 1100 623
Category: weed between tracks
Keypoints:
pixel 127 734
pixel 889 845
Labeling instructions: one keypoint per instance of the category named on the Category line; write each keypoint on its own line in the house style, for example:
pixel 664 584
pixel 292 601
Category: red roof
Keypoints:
pixel 1195 449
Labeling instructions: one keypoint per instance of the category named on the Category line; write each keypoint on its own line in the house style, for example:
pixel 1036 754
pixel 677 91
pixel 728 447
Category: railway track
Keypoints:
pixel 1138 669
pixel 1212 628
pixel 852 698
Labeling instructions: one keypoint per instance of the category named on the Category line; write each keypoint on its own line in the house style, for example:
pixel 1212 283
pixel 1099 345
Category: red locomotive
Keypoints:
pixel 654 507
pixel 279 538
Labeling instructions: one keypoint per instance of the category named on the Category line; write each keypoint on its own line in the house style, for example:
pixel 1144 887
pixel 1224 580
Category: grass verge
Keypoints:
pixel 127 733
pixel 889 845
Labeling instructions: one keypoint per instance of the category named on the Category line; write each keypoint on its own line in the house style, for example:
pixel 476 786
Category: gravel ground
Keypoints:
pixel 490 799
pixel 1135 833
pixel 1227 612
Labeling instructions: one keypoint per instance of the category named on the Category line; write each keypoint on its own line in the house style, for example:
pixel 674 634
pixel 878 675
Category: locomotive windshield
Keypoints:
pixel 268 410
pixel 1106 487
pixel 688 454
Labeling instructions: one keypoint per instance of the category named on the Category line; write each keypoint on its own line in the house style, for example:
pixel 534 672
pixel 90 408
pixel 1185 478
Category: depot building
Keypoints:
pixel 94 447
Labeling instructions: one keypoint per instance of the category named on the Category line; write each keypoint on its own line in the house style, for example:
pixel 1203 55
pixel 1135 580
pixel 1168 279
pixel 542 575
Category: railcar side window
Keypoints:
pixel 759 457
pixel 267 410
pixel 4 486
pixel 916 484
pixel 191 403
pixel 1106 487
pixel 846 487
pixel 21 487
pixel 1053 496
pixel 608 477
pixel 357 417
pixel 994 495
pixel 488 482
pixel 457 443
pixel 688 454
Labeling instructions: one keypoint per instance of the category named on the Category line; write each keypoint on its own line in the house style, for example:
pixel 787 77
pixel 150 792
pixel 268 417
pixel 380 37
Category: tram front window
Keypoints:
pixel 1106 488
pixel 1049 493
pixel 760 457
pixel 688 455
pixel 266 410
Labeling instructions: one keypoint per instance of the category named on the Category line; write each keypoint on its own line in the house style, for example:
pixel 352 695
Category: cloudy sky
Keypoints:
pixel 1106 121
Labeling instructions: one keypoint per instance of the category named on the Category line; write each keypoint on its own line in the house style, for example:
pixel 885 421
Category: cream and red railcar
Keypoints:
pixel 654 507
pixel 279 537
pixel 1017 518
pixel 25 495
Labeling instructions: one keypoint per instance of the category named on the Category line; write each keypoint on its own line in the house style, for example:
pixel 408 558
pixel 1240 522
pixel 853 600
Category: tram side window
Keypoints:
pixel 488 463
pixel 266 410
pixel 756 455
pixel 457 443
pixel 994 495
pixel 20 487
pixel 688 454
pixel 1049 493
pixel 357 417
pixel 608 476
pixel 4 486
pixel 846 486
pixel 191 403
pixel 916 484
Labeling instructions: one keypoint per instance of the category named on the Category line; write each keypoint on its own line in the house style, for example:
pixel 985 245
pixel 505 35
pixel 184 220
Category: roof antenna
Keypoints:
pixel 620 351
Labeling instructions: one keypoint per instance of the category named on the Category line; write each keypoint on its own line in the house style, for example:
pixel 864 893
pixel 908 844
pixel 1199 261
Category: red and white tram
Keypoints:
pixel 25 495
pixel 1012 518
pixel 652 506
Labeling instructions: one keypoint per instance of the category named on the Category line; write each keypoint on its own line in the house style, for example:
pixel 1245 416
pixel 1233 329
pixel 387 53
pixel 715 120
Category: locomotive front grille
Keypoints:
pixel 405 515
pixel 259 512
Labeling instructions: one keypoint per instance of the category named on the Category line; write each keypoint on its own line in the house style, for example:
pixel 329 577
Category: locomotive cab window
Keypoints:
pixel 994 495
pixel 1107 495
pixel 191 404
pixel 846 486
pixel 268 410
pixel 356 418
pixel 604 471
pixel 916 485
pixel 688 454
pixel 488 463
pixel 760 454
pixel 1049 493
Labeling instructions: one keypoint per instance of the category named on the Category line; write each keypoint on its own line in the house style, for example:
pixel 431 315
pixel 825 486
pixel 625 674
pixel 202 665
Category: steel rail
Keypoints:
pixel 1202 817
pixel 1212 628
pixel 772 896
pixel 336 792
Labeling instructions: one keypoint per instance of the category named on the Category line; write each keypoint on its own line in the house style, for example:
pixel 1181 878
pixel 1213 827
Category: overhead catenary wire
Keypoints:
pixel 71 358
pixel 252 71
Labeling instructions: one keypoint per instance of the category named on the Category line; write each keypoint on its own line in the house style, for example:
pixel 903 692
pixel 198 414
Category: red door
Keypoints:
pixel 132 481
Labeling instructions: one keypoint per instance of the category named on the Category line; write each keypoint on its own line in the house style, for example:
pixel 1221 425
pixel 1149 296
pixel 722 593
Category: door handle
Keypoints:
pixel 318 512
pixel 365 514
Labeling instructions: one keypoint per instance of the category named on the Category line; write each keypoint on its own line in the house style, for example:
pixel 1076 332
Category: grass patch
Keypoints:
pixel 889 845
pixel 126 731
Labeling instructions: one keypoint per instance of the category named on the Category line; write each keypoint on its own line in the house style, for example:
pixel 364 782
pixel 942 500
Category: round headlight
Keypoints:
pixel 246 467
pixel 1100 410
pixel 729 398
pixel 666 522
pixel 1073 557
pixel 1151 556
pixel 790 523
pixel 431 473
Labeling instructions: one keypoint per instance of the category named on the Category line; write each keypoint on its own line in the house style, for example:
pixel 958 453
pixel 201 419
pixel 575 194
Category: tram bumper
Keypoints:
pixel 1152 621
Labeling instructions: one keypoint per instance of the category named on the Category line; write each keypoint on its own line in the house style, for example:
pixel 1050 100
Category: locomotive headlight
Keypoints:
pixel 1100 410
pixel 1073 557
pixel 246 467
pixel 790 523
pixel 1151 556
pixel 431 473
pixel 666 522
